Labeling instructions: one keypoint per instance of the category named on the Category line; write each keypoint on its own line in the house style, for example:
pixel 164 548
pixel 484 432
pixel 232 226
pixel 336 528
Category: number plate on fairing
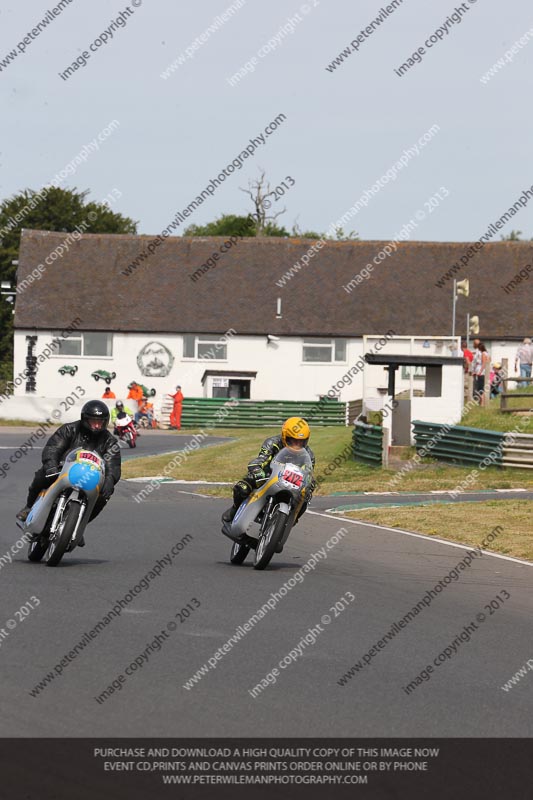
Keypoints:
pixel 89 457
pixel 291 474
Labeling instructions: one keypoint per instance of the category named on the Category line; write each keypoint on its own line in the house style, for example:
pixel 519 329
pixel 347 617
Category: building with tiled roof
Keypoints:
pixel 279 318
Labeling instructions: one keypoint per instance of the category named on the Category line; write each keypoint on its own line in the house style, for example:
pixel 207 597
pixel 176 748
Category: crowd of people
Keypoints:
pixel 476 362
pixel 145 409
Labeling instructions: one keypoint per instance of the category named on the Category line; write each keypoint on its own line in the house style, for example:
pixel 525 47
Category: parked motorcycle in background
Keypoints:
pixel 275 506
pixel 125 429
pixel 60 514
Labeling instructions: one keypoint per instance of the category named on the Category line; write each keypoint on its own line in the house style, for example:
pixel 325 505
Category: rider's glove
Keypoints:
pixel 52 471
pixel 107 489
pixel 256 472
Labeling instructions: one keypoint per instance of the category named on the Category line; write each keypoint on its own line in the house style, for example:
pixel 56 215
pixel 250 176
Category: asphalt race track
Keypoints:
pixel 388 572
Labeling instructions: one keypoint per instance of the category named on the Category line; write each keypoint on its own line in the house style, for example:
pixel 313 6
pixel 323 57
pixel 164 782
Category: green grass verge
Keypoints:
pixel 20 423
pixel 468 523
pixel 492 419
pixel 227 462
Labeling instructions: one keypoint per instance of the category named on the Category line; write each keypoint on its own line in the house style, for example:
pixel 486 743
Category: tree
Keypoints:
pixel 51 209
pixel 514 236
pixel 298 233
pixel 233 225
pixel 340 236
pixel 261 221
pixel 258 191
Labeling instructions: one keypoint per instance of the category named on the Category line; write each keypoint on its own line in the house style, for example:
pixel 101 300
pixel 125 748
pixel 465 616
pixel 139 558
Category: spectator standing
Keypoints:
pixel 175 417
pixel 468 356
pixel 524 358
pixel 479 364
pixel 108 394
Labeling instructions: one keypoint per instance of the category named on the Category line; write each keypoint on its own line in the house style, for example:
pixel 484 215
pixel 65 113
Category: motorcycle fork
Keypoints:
pixel 57 515
pixel 266 514
pixel 83 506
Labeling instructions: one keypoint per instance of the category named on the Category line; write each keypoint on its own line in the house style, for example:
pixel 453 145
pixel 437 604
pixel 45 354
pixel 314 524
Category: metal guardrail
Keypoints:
pixel 368 444
pixel 518 450
pixel 459 444
pixel 353 409
pixel 201 412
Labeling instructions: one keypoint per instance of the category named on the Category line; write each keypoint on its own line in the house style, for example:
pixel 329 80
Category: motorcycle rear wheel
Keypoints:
pixel 266 547
pixel 238 553
pixel 57 548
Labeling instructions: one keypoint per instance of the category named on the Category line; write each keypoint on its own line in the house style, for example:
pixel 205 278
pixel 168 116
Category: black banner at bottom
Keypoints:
pixel 128 769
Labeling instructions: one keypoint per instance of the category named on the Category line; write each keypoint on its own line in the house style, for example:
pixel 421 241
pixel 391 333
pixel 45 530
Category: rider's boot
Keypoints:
pixel 23 513
pixel 228 515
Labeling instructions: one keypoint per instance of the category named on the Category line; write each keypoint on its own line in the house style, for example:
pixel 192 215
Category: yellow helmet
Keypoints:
pixel 295 428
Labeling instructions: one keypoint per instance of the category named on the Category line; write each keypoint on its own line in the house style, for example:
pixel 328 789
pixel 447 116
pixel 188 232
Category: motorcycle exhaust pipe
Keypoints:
pixel 226 530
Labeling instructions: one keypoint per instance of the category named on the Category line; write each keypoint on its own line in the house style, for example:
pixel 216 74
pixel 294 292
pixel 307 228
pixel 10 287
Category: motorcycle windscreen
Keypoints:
pixel 293 466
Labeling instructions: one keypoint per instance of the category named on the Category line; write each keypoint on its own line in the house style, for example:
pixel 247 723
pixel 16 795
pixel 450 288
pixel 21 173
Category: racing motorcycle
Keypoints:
pixel 125 429
pixel 60 514
pixel 274 505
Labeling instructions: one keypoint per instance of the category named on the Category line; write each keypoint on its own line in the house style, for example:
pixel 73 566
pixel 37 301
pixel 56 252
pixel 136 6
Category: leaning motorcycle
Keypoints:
pixel 60 514
pixel 125 429
pixel 274 505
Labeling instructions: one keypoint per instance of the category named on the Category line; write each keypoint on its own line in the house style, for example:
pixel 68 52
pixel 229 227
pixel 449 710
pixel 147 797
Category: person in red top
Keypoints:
pixel 175 417
pixel 108 394
pixel 467 355
pixel 136 392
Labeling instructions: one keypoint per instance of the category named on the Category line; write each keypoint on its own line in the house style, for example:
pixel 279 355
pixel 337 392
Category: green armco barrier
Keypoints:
pixel 202 412
pixel 458 444
pixel 368 444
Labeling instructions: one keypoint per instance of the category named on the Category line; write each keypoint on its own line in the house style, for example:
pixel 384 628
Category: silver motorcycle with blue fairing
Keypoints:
pixel 60 514
pixel 275 506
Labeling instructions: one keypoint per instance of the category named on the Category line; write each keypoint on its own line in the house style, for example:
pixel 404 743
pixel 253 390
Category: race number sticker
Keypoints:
pixel 293 476
pixel 89 457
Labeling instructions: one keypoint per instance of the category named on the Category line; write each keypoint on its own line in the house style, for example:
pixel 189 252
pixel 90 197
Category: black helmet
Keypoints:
pixel 94 416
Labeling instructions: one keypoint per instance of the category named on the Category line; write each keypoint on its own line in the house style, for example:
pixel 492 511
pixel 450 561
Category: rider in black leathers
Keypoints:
pixel 90 432
pixel 295 432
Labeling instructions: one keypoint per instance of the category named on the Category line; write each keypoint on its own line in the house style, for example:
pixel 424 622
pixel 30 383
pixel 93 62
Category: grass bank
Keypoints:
pixel 227 462
pixel 468 523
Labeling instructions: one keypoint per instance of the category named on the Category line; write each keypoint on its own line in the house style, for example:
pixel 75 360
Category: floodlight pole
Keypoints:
pixel 454 302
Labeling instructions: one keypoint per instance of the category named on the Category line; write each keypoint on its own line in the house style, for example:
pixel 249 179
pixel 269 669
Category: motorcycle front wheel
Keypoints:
pixel 266 547
pixel 62 537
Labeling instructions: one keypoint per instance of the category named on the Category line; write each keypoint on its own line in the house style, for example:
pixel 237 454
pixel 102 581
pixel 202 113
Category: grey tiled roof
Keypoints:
pixel 241 291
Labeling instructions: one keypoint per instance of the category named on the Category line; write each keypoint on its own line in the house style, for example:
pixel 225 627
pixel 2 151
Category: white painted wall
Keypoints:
pixel 31 408
pixel 281 373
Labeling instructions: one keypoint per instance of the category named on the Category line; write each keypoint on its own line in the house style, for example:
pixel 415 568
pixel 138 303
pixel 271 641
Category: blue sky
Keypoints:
pixel 343 129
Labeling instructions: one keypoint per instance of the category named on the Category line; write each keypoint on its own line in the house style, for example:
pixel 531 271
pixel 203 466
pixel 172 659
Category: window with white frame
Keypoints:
pixel 204 347
pixel 91 343
pixel 324 350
